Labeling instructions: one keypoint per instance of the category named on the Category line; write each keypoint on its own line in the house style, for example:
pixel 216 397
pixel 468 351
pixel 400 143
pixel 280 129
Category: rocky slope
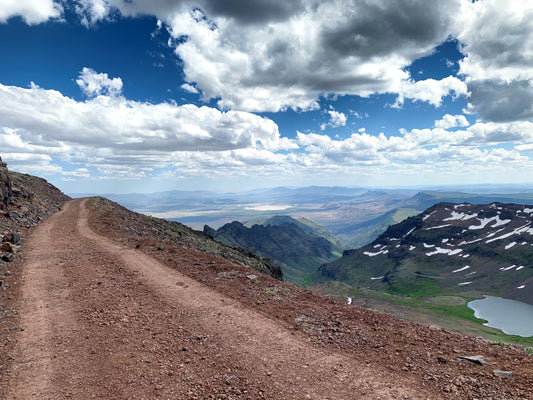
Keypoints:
pixel 25 201
pixel 6 190
pixel 144 231
pixel 448 249
pixel 299 248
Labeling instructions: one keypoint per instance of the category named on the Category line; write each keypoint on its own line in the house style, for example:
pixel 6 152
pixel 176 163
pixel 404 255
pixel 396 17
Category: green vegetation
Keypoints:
pixel 446 311
pixel 418 286
pixel 403 213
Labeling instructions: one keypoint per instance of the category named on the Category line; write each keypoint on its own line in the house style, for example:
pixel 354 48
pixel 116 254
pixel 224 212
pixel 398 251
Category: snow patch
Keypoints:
pixel 428 246
pixel 517 231
pixel 465 283
pixel 437 227
pixel 492 234
pixel 377 278
pixel 349 301
pixel 369 254
pixel 457 216
pixel 519 268
pixel 462 269
pixel 466 256
pixel 521 287
pixel 528 210
pixel 445 240
pixel 455 207
pixel 408 233
pixel 429 215
pixel 470 242
pixel 507 268
pixel 440 250
pixel 510 245
pixel 485 221
pixel 411 248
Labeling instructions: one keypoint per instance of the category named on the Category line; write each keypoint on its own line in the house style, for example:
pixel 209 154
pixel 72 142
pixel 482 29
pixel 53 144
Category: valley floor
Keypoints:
pixel 97 318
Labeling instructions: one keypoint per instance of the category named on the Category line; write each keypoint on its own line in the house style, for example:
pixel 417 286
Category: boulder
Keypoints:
pixel 503 374
pixel 473 359
pixel 7 257
pixel 11 237
pixel 7 247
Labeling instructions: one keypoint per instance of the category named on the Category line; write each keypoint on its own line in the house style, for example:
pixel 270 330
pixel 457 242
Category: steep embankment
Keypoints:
pixel 25 201
pixel 143 231
pixel 448 249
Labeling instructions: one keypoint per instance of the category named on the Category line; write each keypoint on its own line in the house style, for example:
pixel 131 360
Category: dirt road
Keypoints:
pixel 101 320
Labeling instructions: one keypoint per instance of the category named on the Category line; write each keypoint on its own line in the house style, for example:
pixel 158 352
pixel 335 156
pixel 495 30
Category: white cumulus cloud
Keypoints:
pixel 451 121
pixel 497 40
pixel 31 11
pixel 259 55
pixel 110 130
pixel 431 90
pixel 336 120
pixel 95 84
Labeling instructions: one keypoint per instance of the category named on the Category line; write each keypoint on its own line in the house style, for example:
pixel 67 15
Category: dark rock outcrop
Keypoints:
pixel 297 248
pixel 6 190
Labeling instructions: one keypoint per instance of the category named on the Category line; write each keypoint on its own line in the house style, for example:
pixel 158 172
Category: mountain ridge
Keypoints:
pixel 447 249
pixel 299 247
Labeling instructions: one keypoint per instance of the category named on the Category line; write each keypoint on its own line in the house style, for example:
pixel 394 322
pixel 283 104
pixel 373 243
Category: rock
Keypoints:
pixel 252 277
pixel 300 319
pixel 503 374
pixel 7 247
pixel 8 257
pixel 473 359
pixel 11 237
pixel 6 192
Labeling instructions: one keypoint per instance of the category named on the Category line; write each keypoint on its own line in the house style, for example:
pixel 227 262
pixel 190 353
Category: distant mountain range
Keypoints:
pixel 298 246
pixel 355 215
pixel 465 249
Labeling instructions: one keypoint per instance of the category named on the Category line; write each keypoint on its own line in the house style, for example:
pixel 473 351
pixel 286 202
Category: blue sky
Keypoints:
pixel 147 95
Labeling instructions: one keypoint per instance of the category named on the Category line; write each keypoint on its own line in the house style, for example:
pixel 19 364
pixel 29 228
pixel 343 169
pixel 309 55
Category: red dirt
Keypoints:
pixel 99 319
